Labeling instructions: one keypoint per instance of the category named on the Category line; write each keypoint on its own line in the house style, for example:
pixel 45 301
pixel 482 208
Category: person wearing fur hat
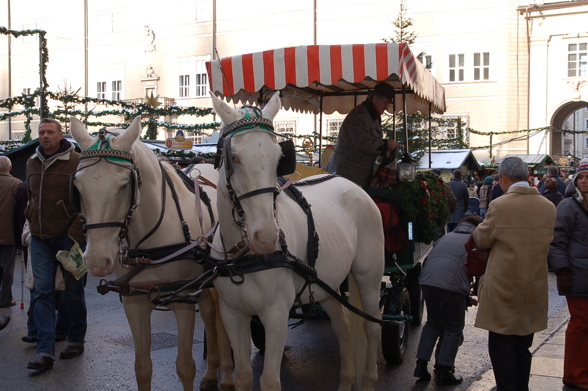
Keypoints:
pixel 568 257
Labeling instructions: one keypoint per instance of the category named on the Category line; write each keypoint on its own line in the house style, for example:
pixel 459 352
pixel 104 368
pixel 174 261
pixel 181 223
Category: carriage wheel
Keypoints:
pixel 257 333
pixel 417 300
pixel 395 337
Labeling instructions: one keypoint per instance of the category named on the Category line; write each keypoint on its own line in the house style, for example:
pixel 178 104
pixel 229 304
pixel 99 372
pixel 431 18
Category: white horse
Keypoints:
pixel 113 201
pixel 350 242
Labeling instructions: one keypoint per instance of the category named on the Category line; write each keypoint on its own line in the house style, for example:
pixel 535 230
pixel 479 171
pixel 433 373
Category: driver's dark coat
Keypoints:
pixel 359 143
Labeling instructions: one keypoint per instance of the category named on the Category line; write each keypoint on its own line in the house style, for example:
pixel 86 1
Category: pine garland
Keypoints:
pixel 425 204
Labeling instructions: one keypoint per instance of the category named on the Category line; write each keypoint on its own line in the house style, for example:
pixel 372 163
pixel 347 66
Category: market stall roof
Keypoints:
pixel 450 159
pixel 329 74
pixel 536 159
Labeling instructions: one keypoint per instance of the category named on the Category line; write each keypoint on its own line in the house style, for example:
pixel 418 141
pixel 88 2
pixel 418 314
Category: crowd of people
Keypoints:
pixel 513 292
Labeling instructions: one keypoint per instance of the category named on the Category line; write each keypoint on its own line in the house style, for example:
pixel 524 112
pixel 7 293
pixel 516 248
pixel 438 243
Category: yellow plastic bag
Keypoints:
pixel 73 261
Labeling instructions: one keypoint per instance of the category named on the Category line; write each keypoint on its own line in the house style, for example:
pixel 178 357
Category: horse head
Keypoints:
pixel 250 155
pixel 107 181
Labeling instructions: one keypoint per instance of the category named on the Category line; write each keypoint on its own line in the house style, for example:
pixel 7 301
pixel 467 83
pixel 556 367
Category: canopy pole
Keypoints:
pixel 430 138
pixel 405 118
pixel 320 131
pixel 394 117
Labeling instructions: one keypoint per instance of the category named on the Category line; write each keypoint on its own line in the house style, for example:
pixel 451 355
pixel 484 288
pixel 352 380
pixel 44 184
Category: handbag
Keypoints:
pixel 477 258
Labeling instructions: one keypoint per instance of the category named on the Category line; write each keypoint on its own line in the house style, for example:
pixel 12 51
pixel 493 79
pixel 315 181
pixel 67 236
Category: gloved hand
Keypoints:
pixel 564 281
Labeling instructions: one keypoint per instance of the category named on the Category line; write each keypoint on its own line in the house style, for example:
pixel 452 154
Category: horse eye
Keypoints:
pixel 122 188
pixel 235 159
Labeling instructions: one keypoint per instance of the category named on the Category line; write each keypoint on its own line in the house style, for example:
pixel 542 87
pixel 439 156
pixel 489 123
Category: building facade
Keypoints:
pixel 505 65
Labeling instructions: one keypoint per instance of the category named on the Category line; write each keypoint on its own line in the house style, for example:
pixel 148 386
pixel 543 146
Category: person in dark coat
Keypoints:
pixel 496 189
pixel 8 239
pixel 460 190
pixel 551 192
pixel 568 256
pixel 360 140
pixel 553 172
pixel 446 288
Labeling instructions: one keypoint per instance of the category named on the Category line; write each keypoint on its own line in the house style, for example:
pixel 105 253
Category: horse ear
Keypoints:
pixel 80 134
pixel 272 107
pixel 125 140
pixel 224 111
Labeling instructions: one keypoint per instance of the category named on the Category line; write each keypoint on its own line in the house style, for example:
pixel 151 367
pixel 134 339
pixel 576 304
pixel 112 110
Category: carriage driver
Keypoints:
pixel 360 139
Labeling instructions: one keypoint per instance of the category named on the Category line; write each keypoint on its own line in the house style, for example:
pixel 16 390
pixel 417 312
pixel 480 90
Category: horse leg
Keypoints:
pixel 275 321
pixel 219 352
pixel 239 331
pixel 185 366
pixel 138 311
pixel 224 348
pixel 340 323
pixel 367 287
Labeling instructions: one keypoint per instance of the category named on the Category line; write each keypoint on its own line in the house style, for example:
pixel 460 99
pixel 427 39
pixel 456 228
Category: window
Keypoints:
pixel 203 10
pixel 17 136
pixel 456 67
pixel 577 59
pixel 184 86
pixel 109 81
pixel 456 127
pixel 482 66
pixel 585 142
pixel 285 127
pixel 194 11
pixel 196 138
pixel 109 22
pixel 426 60
pixel 116 87
pixel 29 82
pixel 586 123
pixel 101 90
pixel 192 77
pixel 201 78
pixel 333 126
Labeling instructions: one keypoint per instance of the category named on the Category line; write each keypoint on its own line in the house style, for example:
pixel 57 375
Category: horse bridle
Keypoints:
pixel 119 158
pixel 123 159
pixel 224 152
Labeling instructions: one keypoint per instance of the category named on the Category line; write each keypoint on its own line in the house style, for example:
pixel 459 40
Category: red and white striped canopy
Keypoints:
pixel 335 74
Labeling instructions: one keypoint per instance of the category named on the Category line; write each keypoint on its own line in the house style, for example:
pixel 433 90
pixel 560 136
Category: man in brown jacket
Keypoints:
pixel 53 227
pixel 8 185
pixel 513 292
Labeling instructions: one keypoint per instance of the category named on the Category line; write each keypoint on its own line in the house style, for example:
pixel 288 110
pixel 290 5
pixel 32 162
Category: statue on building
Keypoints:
pixel 149 39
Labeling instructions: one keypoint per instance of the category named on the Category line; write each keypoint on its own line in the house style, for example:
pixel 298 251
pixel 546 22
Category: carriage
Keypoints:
pixel 322 79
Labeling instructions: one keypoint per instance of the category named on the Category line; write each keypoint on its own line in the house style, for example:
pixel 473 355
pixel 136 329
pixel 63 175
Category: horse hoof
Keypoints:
pixel 227 387
pixel 208 385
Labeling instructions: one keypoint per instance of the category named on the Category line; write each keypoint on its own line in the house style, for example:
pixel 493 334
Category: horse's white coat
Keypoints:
pixel 105 191
pixel 350 241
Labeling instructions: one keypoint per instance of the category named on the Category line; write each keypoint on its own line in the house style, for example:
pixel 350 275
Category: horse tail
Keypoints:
pixel 358 337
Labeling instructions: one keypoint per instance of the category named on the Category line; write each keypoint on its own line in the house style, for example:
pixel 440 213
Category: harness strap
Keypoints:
pixel 312 243
pixel 273 189
pixel 86 227
pixel 254 263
